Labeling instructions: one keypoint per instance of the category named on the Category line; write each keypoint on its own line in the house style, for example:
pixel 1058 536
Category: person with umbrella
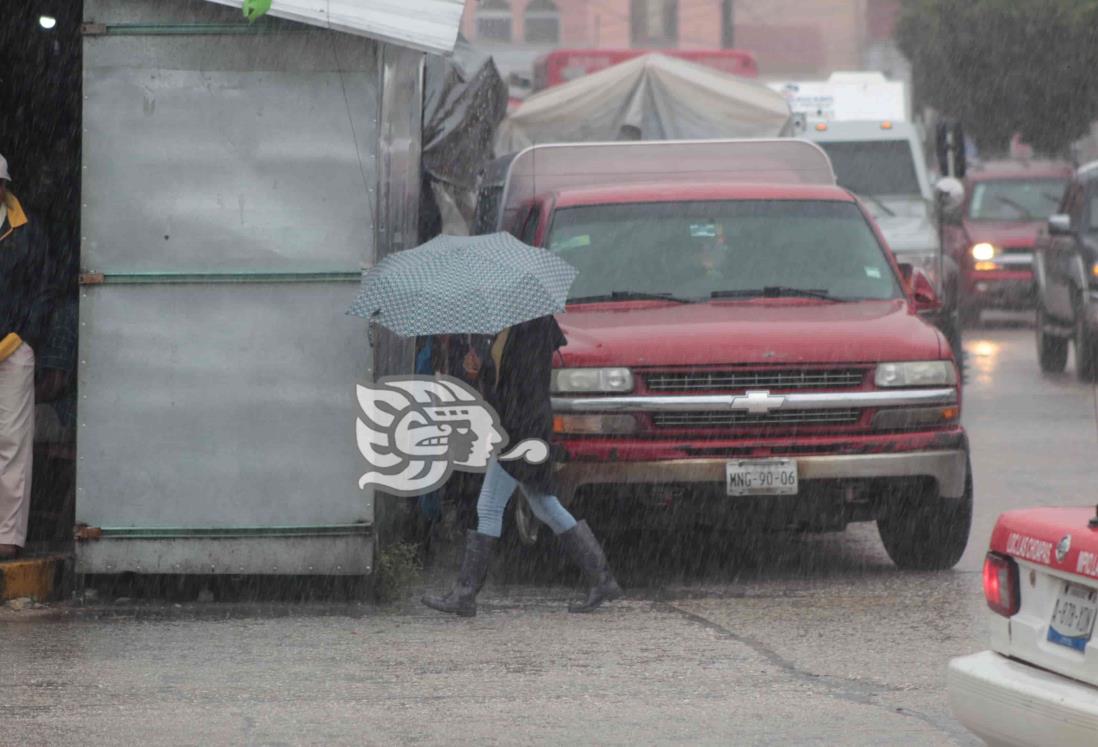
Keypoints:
pixel 494 286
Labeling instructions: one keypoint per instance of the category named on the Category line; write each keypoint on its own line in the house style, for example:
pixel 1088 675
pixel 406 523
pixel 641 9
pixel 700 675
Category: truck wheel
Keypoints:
pixel 927 532
pixel 1052 351
pixel 1086 347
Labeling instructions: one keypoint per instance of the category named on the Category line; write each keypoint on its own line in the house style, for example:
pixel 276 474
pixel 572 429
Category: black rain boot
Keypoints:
pixel 461 600
pixel 586 552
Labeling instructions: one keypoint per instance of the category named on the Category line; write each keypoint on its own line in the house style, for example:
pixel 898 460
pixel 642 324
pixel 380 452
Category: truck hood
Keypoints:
pixel 767 331
pixel 1008 235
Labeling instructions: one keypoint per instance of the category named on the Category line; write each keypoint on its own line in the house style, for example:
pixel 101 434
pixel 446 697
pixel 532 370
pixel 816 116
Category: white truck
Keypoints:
pixel 861 120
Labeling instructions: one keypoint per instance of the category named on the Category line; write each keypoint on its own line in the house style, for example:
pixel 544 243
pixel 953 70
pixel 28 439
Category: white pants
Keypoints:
pixel 16 444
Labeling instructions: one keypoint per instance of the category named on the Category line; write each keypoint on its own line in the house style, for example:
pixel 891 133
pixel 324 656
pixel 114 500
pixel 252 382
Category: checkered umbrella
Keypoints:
pixel 463 285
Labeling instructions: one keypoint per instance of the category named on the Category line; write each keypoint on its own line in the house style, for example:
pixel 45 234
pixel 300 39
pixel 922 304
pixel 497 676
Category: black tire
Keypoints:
pixel 1052 351
pixel 927 532
pixel 1086 347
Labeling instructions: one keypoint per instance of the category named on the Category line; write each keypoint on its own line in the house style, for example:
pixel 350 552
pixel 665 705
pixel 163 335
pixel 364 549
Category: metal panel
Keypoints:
pixel 334 556
pixel 398 180
pixel 219 406
pixel 202 162
pixel 427 25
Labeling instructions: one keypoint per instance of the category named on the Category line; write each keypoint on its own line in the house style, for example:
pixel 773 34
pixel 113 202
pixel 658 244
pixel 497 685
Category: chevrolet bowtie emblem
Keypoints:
pixel 757 403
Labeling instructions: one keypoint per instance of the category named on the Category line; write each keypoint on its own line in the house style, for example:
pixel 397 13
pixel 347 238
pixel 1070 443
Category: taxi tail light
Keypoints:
pixel 1001 584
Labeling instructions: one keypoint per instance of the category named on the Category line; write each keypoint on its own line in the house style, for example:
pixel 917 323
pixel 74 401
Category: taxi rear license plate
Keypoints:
pixel 1073 617
pixel 762 477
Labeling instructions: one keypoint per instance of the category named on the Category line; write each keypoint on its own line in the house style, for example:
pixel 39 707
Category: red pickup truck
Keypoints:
pixel 993 233
pixel 741 343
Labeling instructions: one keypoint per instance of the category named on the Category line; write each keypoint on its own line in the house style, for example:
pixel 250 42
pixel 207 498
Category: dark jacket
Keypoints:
pixel 26 287
pixel 521 396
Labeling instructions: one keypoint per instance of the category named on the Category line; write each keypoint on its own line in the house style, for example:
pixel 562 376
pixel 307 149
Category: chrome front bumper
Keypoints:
pixel 759 401
pixel 948 467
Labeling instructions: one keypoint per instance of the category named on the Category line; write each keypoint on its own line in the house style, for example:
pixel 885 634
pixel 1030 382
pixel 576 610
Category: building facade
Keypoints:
pixel 802 38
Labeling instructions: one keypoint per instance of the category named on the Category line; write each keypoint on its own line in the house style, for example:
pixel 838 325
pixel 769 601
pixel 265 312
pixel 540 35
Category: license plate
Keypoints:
pixel 1073 618
pixel 762 477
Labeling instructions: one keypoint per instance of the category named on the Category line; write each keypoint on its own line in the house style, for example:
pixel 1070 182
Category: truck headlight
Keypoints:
pixel 916 373
pixel 984 252
pixel 587 380
pixel 594 424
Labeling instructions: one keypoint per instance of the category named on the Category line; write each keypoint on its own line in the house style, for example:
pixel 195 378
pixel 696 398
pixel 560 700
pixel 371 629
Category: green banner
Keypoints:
pixel 253 9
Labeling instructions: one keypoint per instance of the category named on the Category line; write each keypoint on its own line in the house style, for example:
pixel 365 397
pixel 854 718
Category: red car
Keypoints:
pixel 742 344
pixel 992 235
pixel 1038 683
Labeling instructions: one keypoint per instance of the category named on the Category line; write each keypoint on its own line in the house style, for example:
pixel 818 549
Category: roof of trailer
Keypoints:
pixel 426 25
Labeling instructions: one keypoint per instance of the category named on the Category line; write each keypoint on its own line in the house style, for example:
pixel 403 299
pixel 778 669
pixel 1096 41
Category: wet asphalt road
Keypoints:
pixel 814 640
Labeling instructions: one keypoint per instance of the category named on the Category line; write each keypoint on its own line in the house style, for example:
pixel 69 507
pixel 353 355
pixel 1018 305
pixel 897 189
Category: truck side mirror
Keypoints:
pixel 1059 224
pixel 922 291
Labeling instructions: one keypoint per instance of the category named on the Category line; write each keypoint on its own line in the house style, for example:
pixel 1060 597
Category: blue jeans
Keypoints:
pixel 496 492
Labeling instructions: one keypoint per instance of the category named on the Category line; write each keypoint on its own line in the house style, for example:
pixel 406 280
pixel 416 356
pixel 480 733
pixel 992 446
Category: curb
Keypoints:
pixel 38 578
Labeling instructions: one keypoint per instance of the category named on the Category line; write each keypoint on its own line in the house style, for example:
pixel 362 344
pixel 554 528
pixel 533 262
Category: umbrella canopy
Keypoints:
pixel 463 285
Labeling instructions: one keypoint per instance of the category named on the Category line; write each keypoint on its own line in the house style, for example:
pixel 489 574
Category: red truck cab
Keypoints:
pixel 742 344
pixel 992 235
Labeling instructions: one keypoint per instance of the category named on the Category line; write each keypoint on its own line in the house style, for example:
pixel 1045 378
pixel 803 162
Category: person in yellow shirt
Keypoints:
pixel 26 301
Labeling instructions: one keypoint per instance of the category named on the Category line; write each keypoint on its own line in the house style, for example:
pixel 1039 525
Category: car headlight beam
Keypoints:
pixel 984 252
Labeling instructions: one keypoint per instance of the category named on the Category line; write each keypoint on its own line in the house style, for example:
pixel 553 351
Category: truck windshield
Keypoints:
pixel 698 250
pixel 1015 199
pixel 874 168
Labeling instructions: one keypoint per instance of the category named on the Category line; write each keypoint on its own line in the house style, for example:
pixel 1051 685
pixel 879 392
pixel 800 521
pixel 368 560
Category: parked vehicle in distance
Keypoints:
pixel 1066 269
pixel 882 161
pixel 563 65
pixel 739 329
pixel 1038 683
pixel 991 236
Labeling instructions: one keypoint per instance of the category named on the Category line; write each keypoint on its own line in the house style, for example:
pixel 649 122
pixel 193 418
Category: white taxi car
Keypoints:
pixel 1038 685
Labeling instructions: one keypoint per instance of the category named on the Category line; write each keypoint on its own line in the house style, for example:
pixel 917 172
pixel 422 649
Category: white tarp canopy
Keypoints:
pixel 427 25
pixel 660 98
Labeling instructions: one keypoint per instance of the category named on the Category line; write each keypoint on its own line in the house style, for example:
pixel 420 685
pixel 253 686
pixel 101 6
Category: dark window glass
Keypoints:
pixel 692 249
pixel 494 20
pixel 654 23
pixel 541 23
pixel 874 168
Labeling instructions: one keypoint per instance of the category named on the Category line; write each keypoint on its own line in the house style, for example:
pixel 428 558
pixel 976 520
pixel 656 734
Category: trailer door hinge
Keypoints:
pixel 93 29
pixel 91 278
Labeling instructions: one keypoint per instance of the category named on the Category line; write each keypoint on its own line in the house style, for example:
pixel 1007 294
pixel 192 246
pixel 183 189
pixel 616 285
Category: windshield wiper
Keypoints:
pixel 1023 211
pixel 625 295
pixel 776 291
pixel 877 201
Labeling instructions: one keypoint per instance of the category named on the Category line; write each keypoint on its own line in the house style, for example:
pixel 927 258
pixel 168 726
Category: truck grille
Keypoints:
pixel 780 417
pixel 790 378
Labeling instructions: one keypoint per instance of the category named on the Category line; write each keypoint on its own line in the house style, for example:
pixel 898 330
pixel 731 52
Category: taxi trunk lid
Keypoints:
pixel 1056 550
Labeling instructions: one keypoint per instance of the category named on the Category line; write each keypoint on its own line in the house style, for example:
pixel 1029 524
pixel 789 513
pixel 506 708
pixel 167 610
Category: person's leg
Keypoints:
pixel 549 511
pixel 582 547
pixel 16 447
pixel 495 493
